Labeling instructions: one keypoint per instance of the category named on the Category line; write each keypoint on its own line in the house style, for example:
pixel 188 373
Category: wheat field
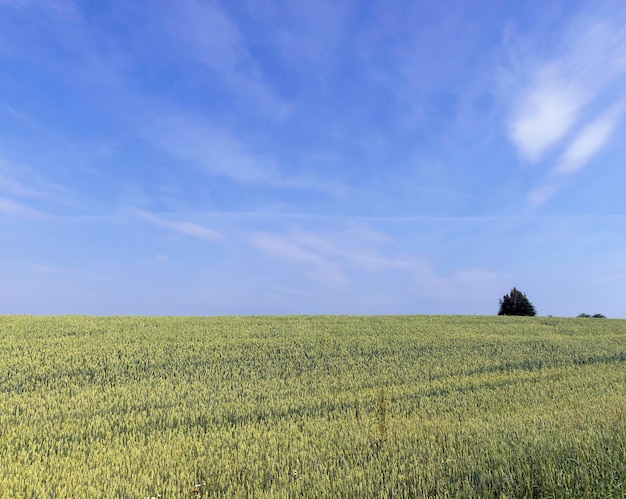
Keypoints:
pixel 324 406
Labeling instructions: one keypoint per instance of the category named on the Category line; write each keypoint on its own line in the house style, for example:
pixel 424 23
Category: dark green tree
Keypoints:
pixel 516 303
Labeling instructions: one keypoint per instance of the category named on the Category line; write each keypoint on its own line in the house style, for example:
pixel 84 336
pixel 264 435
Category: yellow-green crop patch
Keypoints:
pixel 396 406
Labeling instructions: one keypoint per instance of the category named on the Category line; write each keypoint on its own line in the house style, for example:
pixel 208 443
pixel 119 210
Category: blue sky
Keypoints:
pixel 285 157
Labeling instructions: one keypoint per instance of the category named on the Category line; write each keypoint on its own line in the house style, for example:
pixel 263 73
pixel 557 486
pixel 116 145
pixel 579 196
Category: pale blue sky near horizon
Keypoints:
pixel 203 157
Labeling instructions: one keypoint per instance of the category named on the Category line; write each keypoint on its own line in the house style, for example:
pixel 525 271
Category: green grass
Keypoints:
pixel 396 406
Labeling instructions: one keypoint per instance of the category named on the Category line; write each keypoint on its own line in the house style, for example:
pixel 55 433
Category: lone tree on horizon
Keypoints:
pixel 516 303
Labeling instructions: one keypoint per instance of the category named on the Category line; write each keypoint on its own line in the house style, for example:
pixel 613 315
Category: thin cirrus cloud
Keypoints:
pixel 328 257
pixel 588 142
pixel 12 208
pixel 307 250
pixel 62 6
pixel 221 151
pixel 18 188
pixel 589 58
pixel 22 185
pixel 214 150
pixel 12 183
pixel 355 258
pixel 180 226
pixel 541 194
pixel 591 139
pixel 570 106
pixel 50 270
pixel 206 33
pixel 294 29
pixel 545 113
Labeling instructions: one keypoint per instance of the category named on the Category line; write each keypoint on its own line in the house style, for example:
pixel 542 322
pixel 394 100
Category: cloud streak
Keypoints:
pixel 545 113
pixel 570 104
pixel 355 256
pixel 212 149
pixel 589 141
pixel 209 35
pixel 51 270
pixel 304 249
pixel 180 226
pixel 64 7
pixel 218 150
pixel 295 28
pixel 15 209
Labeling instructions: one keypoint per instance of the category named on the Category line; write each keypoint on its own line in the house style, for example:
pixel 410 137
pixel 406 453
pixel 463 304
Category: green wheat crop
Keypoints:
pixel 396 406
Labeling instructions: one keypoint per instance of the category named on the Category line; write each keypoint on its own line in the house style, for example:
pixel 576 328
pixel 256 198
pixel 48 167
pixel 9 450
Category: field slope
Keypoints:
pixel 398 406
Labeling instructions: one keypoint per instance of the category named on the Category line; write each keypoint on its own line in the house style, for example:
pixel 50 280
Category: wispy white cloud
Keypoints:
pixel 64 7
pixel 570 103
pixel 27 121
pixel 589 141
pixel 63 272
pixel 589 58
pixel 328 255
pixel 209 35
pixel 212 149
pixel 36 189
pixel 18 188
pixel 44 269
pixel 309 180
pixel 305 32
pixel 218 150
pixel 609 278
pixel 357 255
pixel 15 209
pixel 180 226
pixel 545 113
pixel 303 249
pixel 425 279
pixel 20 183
pixel 541 194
